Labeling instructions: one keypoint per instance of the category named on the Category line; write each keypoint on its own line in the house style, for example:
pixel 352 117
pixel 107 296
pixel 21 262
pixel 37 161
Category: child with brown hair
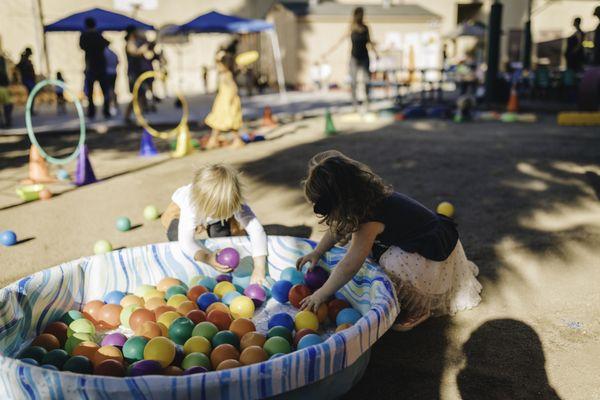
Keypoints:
pixel 418 249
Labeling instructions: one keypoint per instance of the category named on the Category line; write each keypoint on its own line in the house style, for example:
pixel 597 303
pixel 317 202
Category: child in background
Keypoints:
pixel 213 203
pixel 61 107
pixel 418 249
pixel 226 113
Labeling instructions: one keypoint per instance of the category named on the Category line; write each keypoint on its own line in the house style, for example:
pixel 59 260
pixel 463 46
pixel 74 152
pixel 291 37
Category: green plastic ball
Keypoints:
pixel 34 352
pixel 205 329
pixel 126 314
pixel 133 349
pixel 71 316
pixel 173 290
pixel 280 331
pixel 75 339
pixel 151 213
pixel 56 357
pixel 78 364
pixel 277 344
pixel 224 337
pixel 123 224
pixel 181 330
pixel 195 360
pixel 102 246
pixel 82 326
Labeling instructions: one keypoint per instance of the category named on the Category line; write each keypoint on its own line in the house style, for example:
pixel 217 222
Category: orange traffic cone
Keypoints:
pixel 513 101
pixel 268 117
pixel 38 169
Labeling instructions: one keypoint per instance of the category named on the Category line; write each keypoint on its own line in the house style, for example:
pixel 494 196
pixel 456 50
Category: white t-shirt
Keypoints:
pixel 189 221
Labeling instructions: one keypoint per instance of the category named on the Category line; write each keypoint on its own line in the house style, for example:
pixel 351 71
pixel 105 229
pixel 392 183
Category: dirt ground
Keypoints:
pixel 527 200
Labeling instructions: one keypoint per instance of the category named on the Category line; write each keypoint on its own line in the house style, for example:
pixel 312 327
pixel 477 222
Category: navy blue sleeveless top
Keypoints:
pixel 414 228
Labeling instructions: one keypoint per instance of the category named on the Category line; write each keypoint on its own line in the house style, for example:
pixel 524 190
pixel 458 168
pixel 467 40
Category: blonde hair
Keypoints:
pixel 217 191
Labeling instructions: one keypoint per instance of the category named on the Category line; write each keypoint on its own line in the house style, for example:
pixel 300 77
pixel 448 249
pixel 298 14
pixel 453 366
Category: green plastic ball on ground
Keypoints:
pixel 173 290
pixel 75 340
pixel 71 316
pixel 277 344
pixel 181 330
pixel 205 329
pixel 82 326
pixel 56 357
pixel 195 360
pixel 226 337
pixel 280 331
pixel 78 364
pixel 133 349
pixel 126 314
pixel 123 224
pixel 102 246
pixel 160 349
pixel 151 213
pixel 33 352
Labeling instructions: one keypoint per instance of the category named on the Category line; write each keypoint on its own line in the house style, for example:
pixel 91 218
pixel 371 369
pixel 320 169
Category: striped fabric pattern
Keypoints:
pixel 31 303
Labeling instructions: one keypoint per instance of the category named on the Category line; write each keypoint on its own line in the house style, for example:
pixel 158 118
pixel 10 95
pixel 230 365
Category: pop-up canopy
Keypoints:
pixel 105 21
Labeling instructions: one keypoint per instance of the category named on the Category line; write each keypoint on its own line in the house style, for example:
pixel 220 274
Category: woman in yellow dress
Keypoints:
pixel 226 113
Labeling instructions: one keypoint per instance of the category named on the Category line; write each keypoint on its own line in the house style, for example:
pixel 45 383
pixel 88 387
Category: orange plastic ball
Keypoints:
pixel 139 316
pixel 196 316
pixel 223 352
pixel 322 312
pixel 107 353
pixel 186 307
pixel 58 329
pixel 87 349
pixel 297 293
pixel 241 326
pixel 47 341
pixel 228 364
pixel 217 306
pixel 160 310
pixel 149 330
pixel 221 319
pixel 252 339
pixel 131 299
pixel 253 355
pixel 91 311
pixel 45 194
pixel 110 368
pixel 110 315
pixel 154 302
pixel 166 283
pixel 195 292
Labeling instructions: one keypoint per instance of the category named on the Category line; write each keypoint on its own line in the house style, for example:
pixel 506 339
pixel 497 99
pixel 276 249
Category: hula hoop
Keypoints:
pixel 31 134
pixel 138 111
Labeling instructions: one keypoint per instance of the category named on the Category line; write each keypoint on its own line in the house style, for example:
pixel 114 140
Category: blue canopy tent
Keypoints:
pixel 215 22
pixel 105 21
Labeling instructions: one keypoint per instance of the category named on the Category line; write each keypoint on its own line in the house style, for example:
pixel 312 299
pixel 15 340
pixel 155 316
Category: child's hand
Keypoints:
pixel 312 258
pixel 312 302
pixel 211 259
pixel 259 272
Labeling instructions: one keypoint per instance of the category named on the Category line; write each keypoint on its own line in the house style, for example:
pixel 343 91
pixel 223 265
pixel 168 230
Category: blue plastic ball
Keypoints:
pixel 347 316
pixel 62 175
pixel 281 290
pixel 228 298
pixel 282 319
pixel 113 297
pixel 8 238
pixel 123 224
pixel 309 340
pixel 292 275
pixel 206 299
pixel 208 283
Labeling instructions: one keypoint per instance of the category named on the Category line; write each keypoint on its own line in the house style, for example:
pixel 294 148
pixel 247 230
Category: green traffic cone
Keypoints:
pixel 329 127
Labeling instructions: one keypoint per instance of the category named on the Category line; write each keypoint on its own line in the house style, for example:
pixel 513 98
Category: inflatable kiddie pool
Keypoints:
pixel 326 370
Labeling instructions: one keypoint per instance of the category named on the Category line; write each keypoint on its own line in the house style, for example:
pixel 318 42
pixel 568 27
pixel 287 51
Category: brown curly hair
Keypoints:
pixel 343 191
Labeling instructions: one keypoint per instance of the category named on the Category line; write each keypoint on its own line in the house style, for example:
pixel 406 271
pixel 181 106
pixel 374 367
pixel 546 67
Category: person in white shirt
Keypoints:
pixel 213 203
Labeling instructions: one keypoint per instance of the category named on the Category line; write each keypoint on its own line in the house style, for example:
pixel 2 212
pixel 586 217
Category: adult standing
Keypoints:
pixel 5 99
pixel 574 53
pixel 135 48
pixel 27 73
pixel 112 61
pixel 93 44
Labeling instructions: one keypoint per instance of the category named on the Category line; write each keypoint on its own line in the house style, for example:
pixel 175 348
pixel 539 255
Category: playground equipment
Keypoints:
pixel 578 118
pixel 181 131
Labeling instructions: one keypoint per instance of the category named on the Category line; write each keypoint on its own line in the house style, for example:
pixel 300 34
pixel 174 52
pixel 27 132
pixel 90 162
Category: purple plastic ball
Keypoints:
pixel 114 339
pixel 145 367
pixel 179 355
pixel 224 277
pixel 316 277
pixel 195 370
pixel 257 293
pixel 229 257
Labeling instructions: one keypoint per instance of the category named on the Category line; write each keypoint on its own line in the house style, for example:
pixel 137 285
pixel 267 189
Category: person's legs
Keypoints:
pixel 237 140
pixel 173 230
pixel 106 94
pixel 213 141
pixel 29 85
pixel 353 77
pixel 89 92
pixel 366 79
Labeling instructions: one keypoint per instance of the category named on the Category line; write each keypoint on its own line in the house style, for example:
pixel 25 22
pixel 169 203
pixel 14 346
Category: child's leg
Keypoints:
pixel 213 141
pixel 170 221
pixel 237 141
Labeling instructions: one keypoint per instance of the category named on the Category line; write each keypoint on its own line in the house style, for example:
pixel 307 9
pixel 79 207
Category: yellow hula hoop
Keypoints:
pixel 137 110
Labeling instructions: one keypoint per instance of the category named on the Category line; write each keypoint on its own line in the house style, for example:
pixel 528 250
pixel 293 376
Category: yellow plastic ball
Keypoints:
pixel 306 320
pixel 153 293
pixel 446 209
pixel 222 288
pixel 197 344
pixel 141 290
pixel 168 317
pixel 131 299
pixel 160 349
pixel 242 307
pixel 175 300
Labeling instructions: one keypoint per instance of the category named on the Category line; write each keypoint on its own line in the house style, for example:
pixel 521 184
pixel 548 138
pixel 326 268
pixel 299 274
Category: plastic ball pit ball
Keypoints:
pixel 75 340
pixel 445 208
pixel 176 300
pixel 87 349
pixel 139 316
pixel 71 316
pixel 173 290
pixel 316 277
pixel 167 318
pixel 33 362
pixel 281 290
pixel 186 306
pixel 225 337
pixel 194 280
pixel 208 282
pixel 252 339
pixel 154 303
pixel 152 293
pixel 322 312
pixel 181 330
pixel 47 341
pixel 229 257
pixel 206 299
pixel 217 306
pixel 228 298
pixel 126 314
pixel 253 355
pixel 196 316
pixel 222 288
pixel 45 194
pixel 197 344
pixel 223 352
pixel 78 364
pixel 133 349
pixel 306 320
pixel 277 344
pixel 110 315
pixel 241 326
pixel 149 330
pixel 257 293
pixel 116 339
pixel 205 329
pixel 347 316
pixel 292 275
pixel 151 213
pixel 62 175
pixel 141 290
pixel 56 357
pixel 172 370
pixel 228 364
pixel 82 325
pixel 309 340
pixel 280 331
pixel 33 352
pixel 8 238
pixel 102 246
pixel 195 360
pixel 300 334
pixel 114 297
pixel 342 327
pixel 110 368
pixel 160 349
pixel 194 370
pixel 123 224
pixel 107 353
pixel 242 307
pixel 335 306
pixel 165 283
pixel 282 319
pixel 298 293
pixel 131 299
pixel 221 319
pixel 59 330
pixel 224 278
pixel 145 367
pixel 195 292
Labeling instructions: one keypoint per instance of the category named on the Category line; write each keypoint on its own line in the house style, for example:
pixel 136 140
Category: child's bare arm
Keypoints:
pixel 326 243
